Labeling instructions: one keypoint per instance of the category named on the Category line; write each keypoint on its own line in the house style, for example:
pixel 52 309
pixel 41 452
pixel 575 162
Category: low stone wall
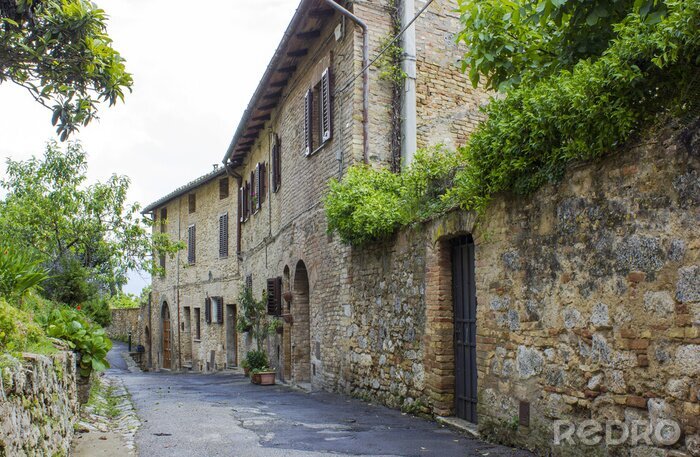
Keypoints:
pixel 39 404
pixel 123 322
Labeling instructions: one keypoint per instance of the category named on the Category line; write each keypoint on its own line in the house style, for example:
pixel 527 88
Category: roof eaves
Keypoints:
pixel 184 189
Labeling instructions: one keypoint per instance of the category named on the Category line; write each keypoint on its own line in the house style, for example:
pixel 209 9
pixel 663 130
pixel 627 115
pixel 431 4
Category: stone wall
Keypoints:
pixel 39 404
pixel 588 298
pixel 125 321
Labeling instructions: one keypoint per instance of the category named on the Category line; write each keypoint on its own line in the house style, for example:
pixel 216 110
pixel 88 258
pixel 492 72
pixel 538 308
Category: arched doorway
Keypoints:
pixel 301 334
pixel 167 337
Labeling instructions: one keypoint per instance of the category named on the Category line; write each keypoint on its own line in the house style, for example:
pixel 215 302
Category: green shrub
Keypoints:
pixel 126 301
pixel 19 272
pixel 533 133
pixel 98 311
pixel 370 204
pixel 86 338
pixel 19 333
pixel 256 360
pixel 70 283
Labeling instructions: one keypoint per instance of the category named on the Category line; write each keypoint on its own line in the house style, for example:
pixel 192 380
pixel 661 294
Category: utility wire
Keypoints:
pixel 393 40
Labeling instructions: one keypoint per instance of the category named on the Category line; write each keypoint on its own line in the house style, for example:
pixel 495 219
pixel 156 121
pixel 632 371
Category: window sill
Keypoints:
pixel 321 146
pixel 196 340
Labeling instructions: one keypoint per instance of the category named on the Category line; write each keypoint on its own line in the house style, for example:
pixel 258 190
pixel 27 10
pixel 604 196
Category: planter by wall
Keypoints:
pixel 264 378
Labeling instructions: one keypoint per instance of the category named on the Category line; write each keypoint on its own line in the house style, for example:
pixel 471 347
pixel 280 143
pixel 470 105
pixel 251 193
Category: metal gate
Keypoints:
pixel 464 298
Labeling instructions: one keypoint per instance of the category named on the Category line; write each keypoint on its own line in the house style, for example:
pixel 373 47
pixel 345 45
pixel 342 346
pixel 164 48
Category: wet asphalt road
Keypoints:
pixel 225 415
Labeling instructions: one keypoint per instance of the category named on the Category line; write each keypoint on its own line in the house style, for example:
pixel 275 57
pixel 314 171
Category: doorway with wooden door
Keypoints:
pixel 464 299
pixel 167 337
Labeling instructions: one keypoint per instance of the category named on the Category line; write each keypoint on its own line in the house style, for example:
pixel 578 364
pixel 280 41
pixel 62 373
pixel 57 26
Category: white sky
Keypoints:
pixel 195 66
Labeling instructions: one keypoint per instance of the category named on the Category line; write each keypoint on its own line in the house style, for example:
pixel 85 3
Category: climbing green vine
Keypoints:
pixel 538 128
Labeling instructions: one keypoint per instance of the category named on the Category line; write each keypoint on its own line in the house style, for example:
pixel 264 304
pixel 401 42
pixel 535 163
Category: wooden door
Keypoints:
pixel 167 339
pixel 464 298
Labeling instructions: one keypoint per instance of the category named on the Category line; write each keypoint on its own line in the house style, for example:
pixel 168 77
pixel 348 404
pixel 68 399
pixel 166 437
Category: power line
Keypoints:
pixel 393 40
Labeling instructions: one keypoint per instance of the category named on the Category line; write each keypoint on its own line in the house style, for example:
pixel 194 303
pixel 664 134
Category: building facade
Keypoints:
pixel 538 310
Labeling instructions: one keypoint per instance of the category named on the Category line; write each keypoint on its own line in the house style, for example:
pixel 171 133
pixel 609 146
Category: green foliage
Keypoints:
pixel 98 311
pixel 19 332
pixel 256 360
pixel 125 301
pixel 20 271
pixel 52 211
pixel 60 52
pixel 86 338
pixel 514 41
pixel 533 133
pixel 370 204
pixel 254 318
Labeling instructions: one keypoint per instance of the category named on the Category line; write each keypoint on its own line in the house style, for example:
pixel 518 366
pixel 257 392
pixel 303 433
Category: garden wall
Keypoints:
pixel 123 322
pixel 39 404
pixel 588 305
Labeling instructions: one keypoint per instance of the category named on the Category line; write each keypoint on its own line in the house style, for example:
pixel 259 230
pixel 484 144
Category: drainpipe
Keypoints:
pixel 179 341
pixel 408 102
pixel 365 75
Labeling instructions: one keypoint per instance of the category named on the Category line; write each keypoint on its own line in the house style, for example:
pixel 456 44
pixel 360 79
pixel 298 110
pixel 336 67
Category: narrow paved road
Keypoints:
pixel 225 415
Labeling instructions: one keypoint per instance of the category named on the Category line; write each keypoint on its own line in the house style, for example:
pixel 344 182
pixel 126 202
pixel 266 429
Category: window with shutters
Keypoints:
pixel 192 202
pixel 223 235
pixel 197 324
pixel 223 188
pixel 276 165
pixel 274 296
pixel 249 281
pixel 216 310
pixel 239 212
pixel 191 244
pixel 207 310
pixel 318 120
pixel 261 180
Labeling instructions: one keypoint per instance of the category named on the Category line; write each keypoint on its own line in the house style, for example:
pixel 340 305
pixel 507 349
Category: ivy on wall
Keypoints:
pixel 533 133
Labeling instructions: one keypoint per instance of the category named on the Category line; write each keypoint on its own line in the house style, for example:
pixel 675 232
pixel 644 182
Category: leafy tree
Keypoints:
pixel 511 41
pixel 60 52
pixel 84 233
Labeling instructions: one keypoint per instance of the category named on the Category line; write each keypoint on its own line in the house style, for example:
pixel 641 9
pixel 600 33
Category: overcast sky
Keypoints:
pixel 195 67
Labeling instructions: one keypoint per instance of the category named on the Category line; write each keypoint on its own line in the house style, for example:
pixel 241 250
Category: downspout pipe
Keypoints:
pixel 408 102
pixel 365 74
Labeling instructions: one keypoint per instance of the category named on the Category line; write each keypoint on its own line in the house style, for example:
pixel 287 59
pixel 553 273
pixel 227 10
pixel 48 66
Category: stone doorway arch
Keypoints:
pixel 301 328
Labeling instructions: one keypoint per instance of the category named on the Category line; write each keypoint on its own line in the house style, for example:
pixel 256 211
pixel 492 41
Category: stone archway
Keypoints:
pixel 301 328
pixel 166 338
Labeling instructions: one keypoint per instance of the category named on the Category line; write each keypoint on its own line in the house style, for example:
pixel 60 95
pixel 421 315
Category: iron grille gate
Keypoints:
pixel 464 298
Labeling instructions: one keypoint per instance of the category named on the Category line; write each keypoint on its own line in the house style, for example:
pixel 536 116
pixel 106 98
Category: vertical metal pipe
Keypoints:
pixel 365 75
pixel 408 102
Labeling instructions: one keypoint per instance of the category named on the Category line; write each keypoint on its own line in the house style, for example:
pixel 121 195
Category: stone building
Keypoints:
pixel 581 301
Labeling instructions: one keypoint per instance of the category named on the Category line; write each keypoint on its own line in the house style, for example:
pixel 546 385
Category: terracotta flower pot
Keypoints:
pixel 263 378
pixel 279 330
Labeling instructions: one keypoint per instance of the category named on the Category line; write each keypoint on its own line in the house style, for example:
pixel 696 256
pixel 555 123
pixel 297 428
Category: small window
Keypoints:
pixel 163 220
pixel 192 202
pixel 214 303
pixel 223 188
pixel 197 324
pixel 191 244
pixel 261 180
pixel 223 235
pixel 161 262
pixel 249 281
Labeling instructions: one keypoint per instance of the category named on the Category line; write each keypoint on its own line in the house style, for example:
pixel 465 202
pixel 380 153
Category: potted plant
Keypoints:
pixel 246 367
pixel 276 326
pixel 260 325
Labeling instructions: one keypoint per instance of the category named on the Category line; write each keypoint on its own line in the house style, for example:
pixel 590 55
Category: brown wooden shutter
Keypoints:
pixel 220 310
pixel 263 182
pixel 308 119
pixel 191 243
pixel 326 105
pixel 249 281
pixel 223 235
pixel 240 204
pixel 207 310
pixel 274 296
pixel 259 186
pixel 276 165
pixel 252 203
